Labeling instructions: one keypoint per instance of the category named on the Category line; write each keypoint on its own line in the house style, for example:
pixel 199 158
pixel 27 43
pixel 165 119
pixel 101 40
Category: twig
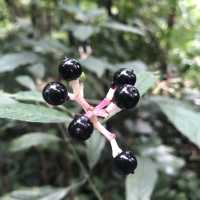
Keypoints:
pixel 79 162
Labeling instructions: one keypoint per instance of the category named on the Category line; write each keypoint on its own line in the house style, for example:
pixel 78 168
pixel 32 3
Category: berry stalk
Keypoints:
pixel 111 137
pixel 107 100
pixel 116 150
pixel 79 95
pixel 108 135
pixel 112 109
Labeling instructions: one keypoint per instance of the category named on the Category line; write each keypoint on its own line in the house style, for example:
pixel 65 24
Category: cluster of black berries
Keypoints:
pixel 126 95
pixel 55 93
pixel 122 95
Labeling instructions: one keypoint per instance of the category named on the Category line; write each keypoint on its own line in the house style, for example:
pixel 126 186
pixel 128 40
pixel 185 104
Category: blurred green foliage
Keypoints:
pixel 159 39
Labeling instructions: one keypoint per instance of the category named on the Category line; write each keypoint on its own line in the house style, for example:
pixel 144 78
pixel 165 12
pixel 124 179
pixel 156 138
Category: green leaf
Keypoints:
pixel 182 116
pixel 95 146
pixel 140 185
pixel 38 193
pixel 32 139
pixel 26 81
pixel 31 113
pixel 70 8
pixel 165 160
pixel 10 62
pixel 6 100
pixel 145 81
pixel 44 192
pixel 137 65
pixel 91 15
pixel 26 96
pixel 23 96
pixel 37 70
pixel 49 45
pixel 123 27
pixel 96 65
pixel 83 32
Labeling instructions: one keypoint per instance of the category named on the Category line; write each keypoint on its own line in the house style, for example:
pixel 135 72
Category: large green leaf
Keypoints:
pixel 90 15
pixel 38 193
pixel 50 45
pixel 94 146
pixel 11 61
pixel 145 81
pixel 27 96
pixel 182 116
pixel 96 65
pixel 31 113
pixel 24 96
pixel 26 81
pixel 140 185
pixel 164 157
pixel 37 70
pixel 32 139
pixel 137 65
pixel 43 193
pixel 83 32
pixel 124 28
pixel 70 8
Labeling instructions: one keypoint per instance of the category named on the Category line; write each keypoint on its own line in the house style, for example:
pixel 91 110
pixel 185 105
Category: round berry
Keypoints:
pixel 126 96
pixel 125 163
pixel 55 93
pixel 70 69
pixel 124 76
pixel 80 128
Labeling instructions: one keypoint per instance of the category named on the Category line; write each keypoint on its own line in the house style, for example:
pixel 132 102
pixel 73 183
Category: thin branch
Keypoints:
pixel 79 162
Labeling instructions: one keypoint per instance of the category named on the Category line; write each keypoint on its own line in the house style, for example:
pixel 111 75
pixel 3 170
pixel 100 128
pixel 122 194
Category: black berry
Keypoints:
pixel 70 69
pixel 124 76
pixel 125 163
pixel 55 93
pixel 126 96
pixel 80 128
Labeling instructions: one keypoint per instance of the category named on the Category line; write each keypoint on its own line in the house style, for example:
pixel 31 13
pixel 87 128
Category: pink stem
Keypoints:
pixel 92 112
pixel 112 109
pixel 75 85
pixel 78 95
pixel 101 113
pixel 109 136
pixel 89 114
pixel 102 104
pixel 116 150
pixel 83 103
pixel 98 113
pixel 106 101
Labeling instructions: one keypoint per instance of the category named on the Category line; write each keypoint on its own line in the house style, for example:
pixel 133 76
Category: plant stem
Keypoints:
pixel 107 134
pixel 78 95
pixel 79 162
pixel 93 113
pixel 112 109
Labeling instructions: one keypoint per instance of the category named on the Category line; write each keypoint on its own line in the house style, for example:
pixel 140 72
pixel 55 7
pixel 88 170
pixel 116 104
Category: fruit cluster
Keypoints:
pixel 122 95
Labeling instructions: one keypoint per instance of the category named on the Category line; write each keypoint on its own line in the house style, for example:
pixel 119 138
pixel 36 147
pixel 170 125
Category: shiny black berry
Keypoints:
pixel 55 93
pixel 125 163
pixel 70 69
pixel 80 128
pixel 124 76
pixel 126 96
